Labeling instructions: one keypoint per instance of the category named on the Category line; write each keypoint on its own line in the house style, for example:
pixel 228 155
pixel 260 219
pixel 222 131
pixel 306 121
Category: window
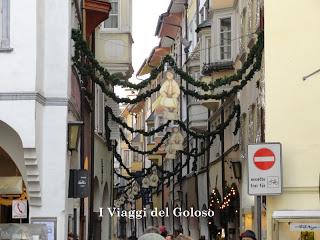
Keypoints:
pixel 113 20
pixel 126 157
pixel 244 30
pixel 99 112
pixel 225 38
pixel 203 12
pixel 4 24
pixel 203 156
pixel 208 49
pixel 150 139
pixel 203 15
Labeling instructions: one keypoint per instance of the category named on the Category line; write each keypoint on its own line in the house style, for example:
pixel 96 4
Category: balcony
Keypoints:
pixel 221 4
pixel 198 116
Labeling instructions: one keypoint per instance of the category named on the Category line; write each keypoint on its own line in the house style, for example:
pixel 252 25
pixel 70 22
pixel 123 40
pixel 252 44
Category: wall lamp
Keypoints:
pixel 236 166
pixel 73 134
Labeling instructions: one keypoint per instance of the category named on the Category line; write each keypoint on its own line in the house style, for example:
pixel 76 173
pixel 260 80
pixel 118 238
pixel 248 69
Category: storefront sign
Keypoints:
pixel 10 185
pixel 78 183
pixel 298 227
pixel 264 165
pixel 19 209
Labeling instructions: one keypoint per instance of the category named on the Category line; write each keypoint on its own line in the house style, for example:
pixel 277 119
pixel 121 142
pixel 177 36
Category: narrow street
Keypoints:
pixel 159 120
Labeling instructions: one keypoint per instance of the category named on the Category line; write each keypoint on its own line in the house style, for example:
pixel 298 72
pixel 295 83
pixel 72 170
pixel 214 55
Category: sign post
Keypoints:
pixel 265 173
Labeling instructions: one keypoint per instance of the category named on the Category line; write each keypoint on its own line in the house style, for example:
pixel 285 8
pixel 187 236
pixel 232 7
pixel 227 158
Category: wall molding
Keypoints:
pixel 34 96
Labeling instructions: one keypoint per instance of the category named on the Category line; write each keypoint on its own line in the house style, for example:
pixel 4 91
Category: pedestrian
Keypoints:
pixel 163 231
pixel 169 237
pixel 151 236
pixel 183 237
pixel 248 235
pixel 151 229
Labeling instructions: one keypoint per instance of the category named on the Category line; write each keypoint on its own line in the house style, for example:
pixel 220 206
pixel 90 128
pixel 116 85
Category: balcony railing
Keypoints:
pixel 209 68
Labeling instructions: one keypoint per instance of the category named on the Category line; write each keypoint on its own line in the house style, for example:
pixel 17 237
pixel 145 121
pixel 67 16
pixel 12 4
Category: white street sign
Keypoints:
pixel 19 209
pixel 301 227
pixel 264 165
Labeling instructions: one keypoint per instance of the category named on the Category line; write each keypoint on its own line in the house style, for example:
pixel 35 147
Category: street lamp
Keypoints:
pixel 73 134
pixel 236 166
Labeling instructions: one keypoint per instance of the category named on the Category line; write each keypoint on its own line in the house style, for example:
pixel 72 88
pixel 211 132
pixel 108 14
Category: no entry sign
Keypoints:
pixel 264 165
pixel 264 158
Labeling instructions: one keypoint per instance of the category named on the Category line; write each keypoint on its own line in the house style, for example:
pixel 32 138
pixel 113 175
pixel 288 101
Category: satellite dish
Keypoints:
pixel 186 43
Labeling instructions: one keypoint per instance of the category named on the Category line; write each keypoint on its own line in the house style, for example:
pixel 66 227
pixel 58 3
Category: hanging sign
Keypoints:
pixel 78 183
pixel 264 165
pixel 19 209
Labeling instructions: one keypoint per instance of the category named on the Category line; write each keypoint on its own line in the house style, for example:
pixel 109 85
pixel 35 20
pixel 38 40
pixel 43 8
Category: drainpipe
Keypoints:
pixel 222 160
pixel 91 197
pixel 208 170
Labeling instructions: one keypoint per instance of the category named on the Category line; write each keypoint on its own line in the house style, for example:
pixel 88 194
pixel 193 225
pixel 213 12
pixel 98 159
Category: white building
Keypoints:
pixel 39 95
pixel 35 71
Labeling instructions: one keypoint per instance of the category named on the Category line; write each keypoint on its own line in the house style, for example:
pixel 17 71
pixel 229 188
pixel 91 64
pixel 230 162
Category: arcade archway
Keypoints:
pixel 10 183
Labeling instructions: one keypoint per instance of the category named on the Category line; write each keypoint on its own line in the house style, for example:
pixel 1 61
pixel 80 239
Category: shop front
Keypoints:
pixel 302 225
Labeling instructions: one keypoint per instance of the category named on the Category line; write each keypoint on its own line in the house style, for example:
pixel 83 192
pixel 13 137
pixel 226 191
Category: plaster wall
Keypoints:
pixel 291 52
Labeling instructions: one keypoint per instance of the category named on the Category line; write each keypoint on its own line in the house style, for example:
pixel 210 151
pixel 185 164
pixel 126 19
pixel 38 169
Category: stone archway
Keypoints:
pixel 25 159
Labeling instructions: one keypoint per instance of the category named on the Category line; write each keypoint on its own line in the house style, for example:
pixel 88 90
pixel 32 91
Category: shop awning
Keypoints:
pixel 168 25
pixel 153 61
pixel 296 214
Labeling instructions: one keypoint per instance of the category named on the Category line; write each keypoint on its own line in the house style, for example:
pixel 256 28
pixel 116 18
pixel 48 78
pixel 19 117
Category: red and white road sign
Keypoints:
pixel 264 169
pixel 264 158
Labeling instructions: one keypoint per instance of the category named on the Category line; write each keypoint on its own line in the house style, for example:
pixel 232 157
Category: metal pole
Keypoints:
pixel 74 224
pixel 208 171
pixel 259 236
pixel 222 160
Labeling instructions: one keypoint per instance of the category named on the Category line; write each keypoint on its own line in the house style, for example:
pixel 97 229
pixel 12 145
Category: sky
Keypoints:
pixel 144 21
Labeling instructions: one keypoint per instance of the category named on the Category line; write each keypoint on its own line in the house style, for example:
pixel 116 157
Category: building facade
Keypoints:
pixel 113 48
pixel 48 98
pixel 287 91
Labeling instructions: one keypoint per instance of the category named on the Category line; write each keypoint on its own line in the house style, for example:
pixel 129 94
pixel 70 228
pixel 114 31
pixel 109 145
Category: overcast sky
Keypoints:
pixel 144 22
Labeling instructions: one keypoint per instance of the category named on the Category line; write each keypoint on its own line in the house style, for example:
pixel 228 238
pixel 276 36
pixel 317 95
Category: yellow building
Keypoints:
pixel 291 52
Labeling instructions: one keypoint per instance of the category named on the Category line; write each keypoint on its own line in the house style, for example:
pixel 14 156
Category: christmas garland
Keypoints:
pixel 119 121
pixel 235 112
pixel 92 65
pixel 152 151
pixel 178 168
